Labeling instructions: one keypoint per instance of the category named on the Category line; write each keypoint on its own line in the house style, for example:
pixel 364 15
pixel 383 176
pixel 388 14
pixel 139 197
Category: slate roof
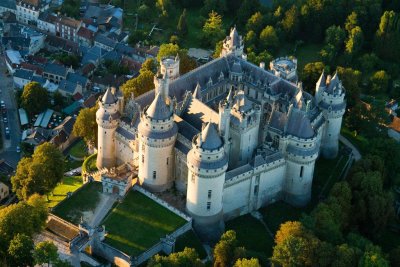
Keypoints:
pixel 108 97
pixel 76 78
pixel 127 134
pixel 197 113
pixel 210 139
pixel 55 69
pixel 299 125
pixel 8 4
pixel 185 129
pixel 67 87
pixel 104 40
pixel 23 74
pixel 158 110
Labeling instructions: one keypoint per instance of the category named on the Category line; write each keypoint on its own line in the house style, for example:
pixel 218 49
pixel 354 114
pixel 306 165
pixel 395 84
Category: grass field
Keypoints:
pixel 252 235
pixel 138 223
pixel 68 184
pixel 89 165
pixel 359 141
pixel 78 150
pixel 70 164
pixel 84 200
pixel 190 240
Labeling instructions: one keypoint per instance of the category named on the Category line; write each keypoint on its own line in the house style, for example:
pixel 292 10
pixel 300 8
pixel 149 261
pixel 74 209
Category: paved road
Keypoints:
pixel 7 94
pixel 356 153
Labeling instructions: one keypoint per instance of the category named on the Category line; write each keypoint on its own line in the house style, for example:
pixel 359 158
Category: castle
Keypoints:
pixel 230 135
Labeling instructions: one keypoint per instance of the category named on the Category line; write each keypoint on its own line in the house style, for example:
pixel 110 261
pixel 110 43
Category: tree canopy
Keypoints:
pixel 34 99
pixel 39 173
pixel 85 125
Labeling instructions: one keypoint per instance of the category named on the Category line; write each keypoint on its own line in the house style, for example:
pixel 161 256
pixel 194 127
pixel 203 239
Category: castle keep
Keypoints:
pixel 230 135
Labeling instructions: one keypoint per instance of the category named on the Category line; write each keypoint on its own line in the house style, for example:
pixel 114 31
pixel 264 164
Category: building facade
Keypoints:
pixel 231 136
pixel 28 11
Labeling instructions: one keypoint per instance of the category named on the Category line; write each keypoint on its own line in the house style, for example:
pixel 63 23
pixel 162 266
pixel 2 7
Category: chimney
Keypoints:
pixel 262 65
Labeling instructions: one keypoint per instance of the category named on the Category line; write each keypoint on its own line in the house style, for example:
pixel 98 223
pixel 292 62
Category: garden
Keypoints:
pixel 138 223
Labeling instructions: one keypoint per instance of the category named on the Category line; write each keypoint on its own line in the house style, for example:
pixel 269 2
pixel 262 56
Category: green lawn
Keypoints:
pixel 138 223
pixel 79 150
pixel 305 53
pixel 190 240
pixel 68 184
pixel 70 164
pixel 359 141
pixel 252 235
pixel 84 200
pixel 89 165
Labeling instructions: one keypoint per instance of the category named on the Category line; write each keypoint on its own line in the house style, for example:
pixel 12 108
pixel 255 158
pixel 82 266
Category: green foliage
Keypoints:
pixel 255 23
pixel 20 250
pixel 373 258
pixel 291 22
pixel 218 49
pixel 311 74
pixel 379 82
pixel 34 99
pixel 45 252
pixel 218 6
pixel 247 263
pixel 182 24
pixel 188 257
pixel 68 60
pixel 149 64
pixel 139 85
pixel 212 29
pixel 13 222
pixel 351 80
pixel 135 37
pixel 226 251
pixel 115 67
pixel 387 38
pixel 247 8
pixel 355 41
pixel 70 8
pixel 269 38
pixel 85 125
pixel 39 173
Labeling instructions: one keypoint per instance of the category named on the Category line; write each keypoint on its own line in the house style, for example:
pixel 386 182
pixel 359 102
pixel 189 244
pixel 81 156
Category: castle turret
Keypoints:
pixel 161 83
pixel 233 44
pixel 107 118
pixel 301 148
pixel 330 98
pixel 157 133
pixel 244 129
pixel 224 112
pixel 207 164
pixel 170 66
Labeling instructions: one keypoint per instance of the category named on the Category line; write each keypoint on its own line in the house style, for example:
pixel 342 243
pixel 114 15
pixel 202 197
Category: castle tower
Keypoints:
pixel 157 133
pixel 161 83
pixel 233 44
pixel 244 130
pixel 330 98
pixel 170 66
pixel 224 112
pixel 207 164
pixel 301 151
pixel 107 118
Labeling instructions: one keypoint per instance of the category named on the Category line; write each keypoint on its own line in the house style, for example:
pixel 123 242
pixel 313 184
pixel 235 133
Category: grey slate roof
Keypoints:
pixel 55 69
pixel 210 139
pixel 108 97
pixel 8 4
pixel 76 78
pixel 299 125
pixel 197 113
pixel 102 39
pixel 23 74
pixel 236 67
pixel 158 110
pixel 67 86
pixel 185 129
pixel 242 104
pixel 127 134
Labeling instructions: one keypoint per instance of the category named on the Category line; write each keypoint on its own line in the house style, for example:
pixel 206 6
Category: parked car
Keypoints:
pixel 5 119
pixel 3 105
pixel 7 133
pixel 18 149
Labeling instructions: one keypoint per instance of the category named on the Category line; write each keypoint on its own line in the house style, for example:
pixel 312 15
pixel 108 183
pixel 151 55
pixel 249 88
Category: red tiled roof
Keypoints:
pixel 395 125
pixel 131 64
pixel 88 68
pixel 85 33
pixel 77 96
pixel 37 69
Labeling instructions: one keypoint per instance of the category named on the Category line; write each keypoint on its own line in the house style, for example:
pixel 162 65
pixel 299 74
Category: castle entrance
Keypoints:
pixel 115 190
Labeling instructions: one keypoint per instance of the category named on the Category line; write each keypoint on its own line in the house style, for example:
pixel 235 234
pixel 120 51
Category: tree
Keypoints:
pixel 85 125
pixel 188 257
pixel 387 38
pixel 20 250
pixel 355 41
pixel 373 258
pixel 380 82
pixel 218 49
pixel 59 100
pixel 149 65
pixel 269 38
pixel 216 5
pixel 139 85
pixel 287 229
pixel 45 252
pixel 136 36
pixel 182 24
pixel 247 8
pixel 212 29
pixel 14 218
pixel 40 173
pixel 34 99
pixel 351 80
pixel 255 22
pixel 247 263
pixel 310 75
pixel 351 22
pixel 144 12
pixel 346 256
pixel 290 22
pixel 226 251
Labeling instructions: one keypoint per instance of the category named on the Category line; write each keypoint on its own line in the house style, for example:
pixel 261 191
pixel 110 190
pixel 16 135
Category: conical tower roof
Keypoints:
pixel 234 37
pixel 322 80
pixel 210 138
pixel 197 91
pixel 108 97
pixel 158 110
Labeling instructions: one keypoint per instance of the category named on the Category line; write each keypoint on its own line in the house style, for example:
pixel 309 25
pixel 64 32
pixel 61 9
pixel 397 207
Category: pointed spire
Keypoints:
pixel 209 138
pixel 322 80
pixel 197 91
pixel 234 37
pixel 158 110
pixel 108 97
pixel 177 57
pixel 229 97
